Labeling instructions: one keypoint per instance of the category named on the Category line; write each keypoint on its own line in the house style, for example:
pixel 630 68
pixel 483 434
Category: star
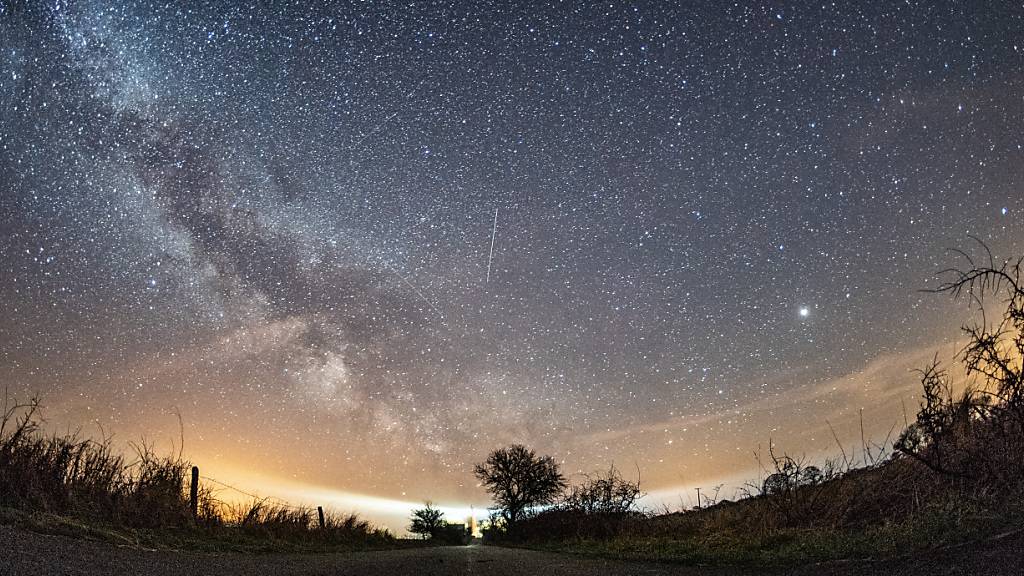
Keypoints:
pixel 400 238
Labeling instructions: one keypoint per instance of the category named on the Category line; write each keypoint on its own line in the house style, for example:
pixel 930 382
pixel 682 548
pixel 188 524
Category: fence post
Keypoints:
pixel 193 493
pixel 320 513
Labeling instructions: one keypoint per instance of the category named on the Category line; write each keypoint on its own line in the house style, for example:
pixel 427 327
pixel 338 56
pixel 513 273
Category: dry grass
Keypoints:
pixel 68 483
pixel 957 473
pixel 888 509
pixel 801 513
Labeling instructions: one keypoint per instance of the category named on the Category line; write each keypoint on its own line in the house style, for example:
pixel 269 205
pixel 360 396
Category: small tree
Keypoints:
pixel 608 493
pixel 518 480
pixel 796 490
pixel 427 521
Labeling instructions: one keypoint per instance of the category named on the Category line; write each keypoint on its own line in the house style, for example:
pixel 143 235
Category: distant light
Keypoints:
pixel 1005 211
pixel 804 312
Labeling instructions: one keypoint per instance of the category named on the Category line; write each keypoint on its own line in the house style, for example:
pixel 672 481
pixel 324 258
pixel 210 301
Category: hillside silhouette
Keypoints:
pixel 953 477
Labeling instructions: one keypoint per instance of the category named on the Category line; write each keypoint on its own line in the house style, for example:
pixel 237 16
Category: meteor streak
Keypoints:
pixel 490 255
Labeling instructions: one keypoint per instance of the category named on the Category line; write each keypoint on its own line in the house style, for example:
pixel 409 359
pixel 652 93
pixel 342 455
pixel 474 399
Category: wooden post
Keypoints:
pixel 320 513
pixel 193 493
pixel 698 498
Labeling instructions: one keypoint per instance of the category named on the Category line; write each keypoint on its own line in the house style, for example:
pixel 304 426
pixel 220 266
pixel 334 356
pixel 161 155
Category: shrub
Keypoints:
pixel 519 480
pixel 607 493
pixel 452 534
pixel 977 437
pixel 427 521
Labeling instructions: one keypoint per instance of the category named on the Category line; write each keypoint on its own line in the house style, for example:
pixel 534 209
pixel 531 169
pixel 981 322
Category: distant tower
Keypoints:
pixel 474 530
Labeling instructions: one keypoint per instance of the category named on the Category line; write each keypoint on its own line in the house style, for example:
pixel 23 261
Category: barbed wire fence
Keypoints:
pixel 279 502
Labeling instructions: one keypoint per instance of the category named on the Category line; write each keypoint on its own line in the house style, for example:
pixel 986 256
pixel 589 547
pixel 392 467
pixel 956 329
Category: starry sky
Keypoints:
pixel 356 247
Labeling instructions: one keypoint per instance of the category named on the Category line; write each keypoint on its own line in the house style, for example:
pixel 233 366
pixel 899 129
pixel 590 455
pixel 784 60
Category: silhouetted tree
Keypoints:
pixel 793 488
pixel 608 493
pixel 978 433
pixel 518 480
pixel 790 474
pixel 427 521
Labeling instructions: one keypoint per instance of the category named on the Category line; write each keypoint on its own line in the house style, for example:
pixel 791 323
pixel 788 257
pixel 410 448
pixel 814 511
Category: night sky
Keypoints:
pixel 711 226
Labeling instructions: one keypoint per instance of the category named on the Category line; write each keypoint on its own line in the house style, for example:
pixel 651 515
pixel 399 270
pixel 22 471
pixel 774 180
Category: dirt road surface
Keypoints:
pixel 28 553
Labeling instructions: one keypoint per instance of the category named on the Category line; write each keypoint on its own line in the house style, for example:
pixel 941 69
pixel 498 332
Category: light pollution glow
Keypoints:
pixel 359 247
pixel 882 389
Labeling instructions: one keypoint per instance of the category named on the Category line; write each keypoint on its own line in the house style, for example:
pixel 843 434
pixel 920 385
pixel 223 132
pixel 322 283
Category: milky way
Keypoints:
pixel 712 226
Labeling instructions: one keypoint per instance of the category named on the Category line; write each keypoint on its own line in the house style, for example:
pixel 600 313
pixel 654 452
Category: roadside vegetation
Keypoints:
pixel 953 476
pixel 79 486
pixel 429 523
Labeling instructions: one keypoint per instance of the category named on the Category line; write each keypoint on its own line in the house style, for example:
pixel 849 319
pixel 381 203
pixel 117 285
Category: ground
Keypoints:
pixel 23 552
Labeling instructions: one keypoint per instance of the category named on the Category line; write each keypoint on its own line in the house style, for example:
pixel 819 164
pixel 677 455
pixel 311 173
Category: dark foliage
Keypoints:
pixel 89 481
pixel 427 521
pixel 599 507
pixel 452 534
pixel 794 489
pixel 68 475
pixel 977 436
pixel 959 465
pixel 519 480
pixel 607 493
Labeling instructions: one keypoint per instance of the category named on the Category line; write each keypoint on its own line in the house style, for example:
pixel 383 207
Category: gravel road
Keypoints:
pixel 28 553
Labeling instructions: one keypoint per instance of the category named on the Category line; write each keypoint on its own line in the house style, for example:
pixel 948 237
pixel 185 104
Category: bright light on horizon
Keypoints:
pixel 394 514
pixel 390 513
